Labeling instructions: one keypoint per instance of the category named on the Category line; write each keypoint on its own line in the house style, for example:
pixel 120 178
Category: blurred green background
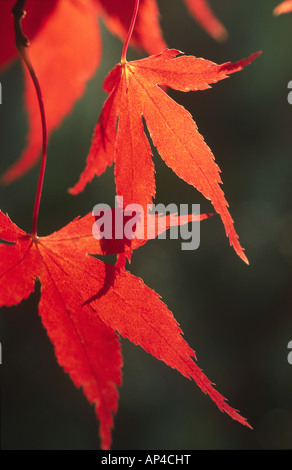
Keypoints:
pixel 237 318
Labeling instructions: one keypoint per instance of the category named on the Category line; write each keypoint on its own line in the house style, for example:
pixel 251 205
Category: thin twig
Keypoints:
pixel 22 43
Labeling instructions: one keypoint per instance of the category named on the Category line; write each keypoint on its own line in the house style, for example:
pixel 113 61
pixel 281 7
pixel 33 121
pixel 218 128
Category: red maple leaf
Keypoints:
pixel 134 92
pixel 206 18
pixel 66 51
pixel 84 302
pixel 284 7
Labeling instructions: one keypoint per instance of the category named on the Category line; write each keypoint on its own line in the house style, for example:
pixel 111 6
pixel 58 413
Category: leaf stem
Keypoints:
pixel 22 42
pixel 130 32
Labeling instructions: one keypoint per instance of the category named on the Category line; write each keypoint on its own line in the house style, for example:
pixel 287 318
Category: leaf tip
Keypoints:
pixel 72 191
pixel 4 180
pixel 242 420
pixel 206 216
pixel 240 251
pixel 245 259
pixel 221 35
pixel 284 7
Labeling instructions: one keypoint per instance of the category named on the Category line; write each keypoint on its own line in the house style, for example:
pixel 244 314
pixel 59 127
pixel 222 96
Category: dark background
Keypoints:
pixel 237 318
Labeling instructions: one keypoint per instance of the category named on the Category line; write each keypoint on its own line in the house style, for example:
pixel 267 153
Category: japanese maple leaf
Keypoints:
pixel 84 303
pixel 284 7
pixel 135 93
pixel 66 51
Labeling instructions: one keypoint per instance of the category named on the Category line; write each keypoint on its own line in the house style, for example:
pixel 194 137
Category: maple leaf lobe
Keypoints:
pixel 85 347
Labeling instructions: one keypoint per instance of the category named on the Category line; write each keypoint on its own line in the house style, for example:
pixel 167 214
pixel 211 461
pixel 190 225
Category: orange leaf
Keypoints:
pixel 83 302
pixel 134 93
